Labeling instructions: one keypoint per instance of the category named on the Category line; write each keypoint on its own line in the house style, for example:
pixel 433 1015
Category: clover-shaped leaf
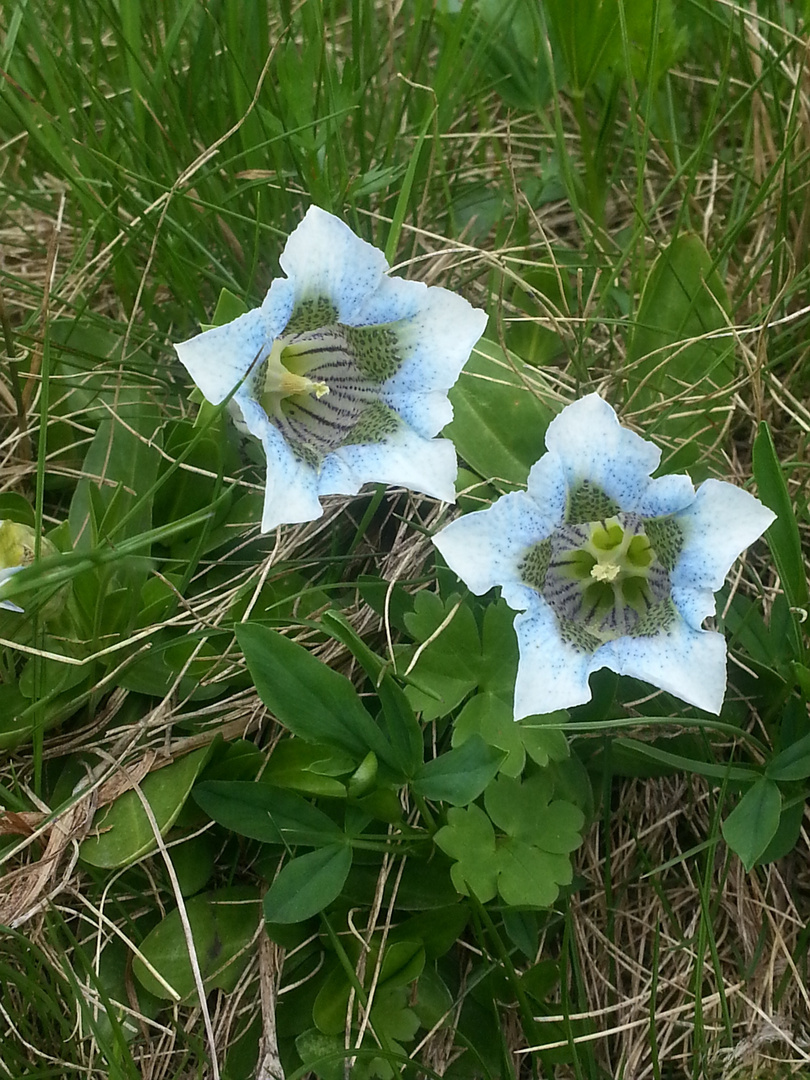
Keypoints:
pixel 468 837
pixel 529 877
pixel 524 811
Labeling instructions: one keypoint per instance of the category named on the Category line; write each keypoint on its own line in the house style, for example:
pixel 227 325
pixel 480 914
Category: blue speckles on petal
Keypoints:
pixel 666 495
pixel 436 342
pixel 547 487
pixel 219 359
pixel 685 544
pixel 721 522
pixel 689 663
pixel 291 492
pixel 551 674
pixel 593 445
pixel 405 459
pixel 485 548
pixel 323 257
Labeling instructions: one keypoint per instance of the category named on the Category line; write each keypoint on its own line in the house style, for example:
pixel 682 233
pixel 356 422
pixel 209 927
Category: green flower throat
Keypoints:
pixel 604 579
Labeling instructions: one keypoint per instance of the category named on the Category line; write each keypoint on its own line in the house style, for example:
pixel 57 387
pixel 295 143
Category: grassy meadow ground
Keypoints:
pixel 623 186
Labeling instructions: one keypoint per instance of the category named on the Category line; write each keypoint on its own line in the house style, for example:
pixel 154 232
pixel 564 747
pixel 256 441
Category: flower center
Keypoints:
pixel 286 376
pixel 602 579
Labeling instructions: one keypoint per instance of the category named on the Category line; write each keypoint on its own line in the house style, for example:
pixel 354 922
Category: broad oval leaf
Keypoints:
pixel 223 923
pixel 123 833
pixel 751 825
pixel 307 884
pixel 310 699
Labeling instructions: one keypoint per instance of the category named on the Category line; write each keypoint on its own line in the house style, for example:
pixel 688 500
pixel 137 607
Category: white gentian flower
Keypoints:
pixel 609 567
pixel 342 373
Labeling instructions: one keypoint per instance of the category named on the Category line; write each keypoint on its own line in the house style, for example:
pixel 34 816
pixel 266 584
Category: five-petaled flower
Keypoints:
pixel 608 567
pixel 342 373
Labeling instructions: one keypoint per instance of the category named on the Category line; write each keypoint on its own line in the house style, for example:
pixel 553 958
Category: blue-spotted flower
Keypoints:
pixel 342 373
pixel 608 567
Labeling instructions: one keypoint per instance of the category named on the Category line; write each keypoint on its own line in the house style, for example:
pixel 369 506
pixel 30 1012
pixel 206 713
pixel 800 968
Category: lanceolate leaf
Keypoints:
pixel 310 699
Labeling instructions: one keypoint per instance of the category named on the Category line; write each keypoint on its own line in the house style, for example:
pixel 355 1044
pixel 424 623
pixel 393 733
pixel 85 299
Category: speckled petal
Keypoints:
pixel 427 414
pixel 594 446
pixel 324 258
pixel 291 492
pixel 219 359
pixel 484 548
pixel 551 673
pixel 666 495
pixel 721 522
pixel 435 343
pixel 547 488
pixel 695 605
pixel 689 663
pixel 404 459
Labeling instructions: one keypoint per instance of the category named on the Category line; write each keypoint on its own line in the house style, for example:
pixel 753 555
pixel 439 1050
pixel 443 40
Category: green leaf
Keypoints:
pixel 460 775
pixel 122 832
pixel 753 822
pixel 530 877
pixel 266 813
pixel 310 699
pixel 448 668
pixel 223 923
pixel 229 307
pixel 783 535
pixel 683 298
pixel 309 768
pixel 686 764
pixel 401 726
pixel 307 884
pixel 501 409
pixel 469 839
pixel 524 811
pixel 792 763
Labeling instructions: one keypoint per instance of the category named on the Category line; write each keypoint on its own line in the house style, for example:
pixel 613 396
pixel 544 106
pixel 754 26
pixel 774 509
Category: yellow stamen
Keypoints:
pixel 607 571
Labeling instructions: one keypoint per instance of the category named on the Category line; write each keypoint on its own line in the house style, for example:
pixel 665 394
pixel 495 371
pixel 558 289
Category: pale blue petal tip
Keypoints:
pixel 323 257
pixel 485 548
pixel 435 342
pixel 721 522
pixel 593 445
pixel 688 663
pixel 403 460
pixel 219 359
pixel 551 674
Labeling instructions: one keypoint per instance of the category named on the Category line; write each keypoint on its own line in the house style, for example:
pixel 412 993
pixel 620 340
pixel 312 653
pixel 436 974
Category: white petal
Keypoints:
pixel 594 446
pixel 6 573
pixel 435 343
pixel 393 300
pixel 689 663
pixel 551 673
pixel 666 495
pixel 427 414
pixel 721 522
pixel 291 491
pixel 324 258
pixel 695 605
pixel 404 459
pixel 547 488
pixel 484 548
pixel 219 359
